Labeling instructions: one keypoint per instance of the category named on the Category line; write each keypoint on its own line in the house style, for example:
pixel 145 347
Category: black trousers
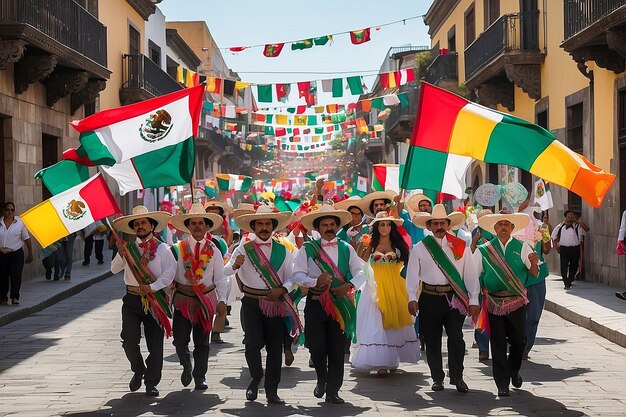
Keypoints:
pixel 11 265
pixel 262 331
pixel 133 317
pixel 435 315
pixel 508 333
pixel 182 329
pixel 89 245
pixel 570 256
pixel 325 341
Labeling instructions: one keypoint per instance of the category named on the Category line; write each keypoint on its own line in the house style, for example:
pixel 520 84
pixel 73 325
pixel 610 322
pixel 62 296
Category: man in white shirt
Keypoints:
pixel 567 237
pixel 264 267
pixel 442 264
pixel 333 270
pixel 161 266
pixel 201 291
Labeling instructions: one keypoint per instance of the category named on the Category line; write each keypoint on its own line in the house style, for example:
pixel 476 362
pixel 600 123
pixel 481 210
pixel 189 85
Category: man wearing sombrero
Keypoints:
pixel 201 291
pixel 504 264
pixel 330 312
pixel 149 266
pixel 264 267
pixel 442 265
pixel 416 205
pixel 376 201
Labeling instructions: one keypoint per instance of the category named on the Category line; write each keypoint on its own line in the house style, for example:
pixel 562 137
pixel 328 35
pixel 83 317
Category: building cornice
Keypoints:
pixel 178 45
pixel 439 11
pixel 144 7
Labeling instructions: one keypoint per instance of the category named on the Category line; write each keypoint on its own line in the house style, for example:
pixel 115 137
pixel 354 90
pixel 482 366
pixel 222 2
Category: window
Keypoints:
pixel 542 119
pixel 452 40
pixel 154 52
pixel 133 41
pixel 50 156
pixel 575 143
pixel 492 11
pixel 90 5
pixel 470 25
pixel 172 67
pixel 90 108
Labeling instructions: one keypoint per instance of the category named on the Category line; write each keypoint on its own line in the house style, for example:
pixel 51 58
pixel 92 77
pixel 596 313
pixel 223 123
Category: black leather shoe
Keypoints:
pixel 461 386
pixel 437 386
pixel 319 390
pixel 503 392
pixel 201 384
pixel 334 399
pixel 152 392
pixel 135 382
pixel 274 399
pixel 516 380
pixel 252 392
pixel 185 377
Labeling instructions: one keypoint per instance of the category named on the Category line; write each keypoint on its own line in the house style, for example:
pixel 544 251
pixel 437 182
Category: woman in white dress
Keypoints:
pixel 384 328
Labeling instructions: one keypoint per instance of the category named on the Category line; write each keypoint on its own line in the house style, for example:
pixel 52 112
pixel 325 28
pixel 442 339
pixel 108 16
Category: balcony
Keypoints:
pixel 399 124
pixel 506 53
pixel 143 79
pixel 59 28
pixel 595 30
pixel 443 71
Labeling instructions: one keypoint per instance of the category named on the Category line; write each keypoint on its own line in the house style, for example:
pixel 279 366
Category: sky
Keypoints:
pixel 252 22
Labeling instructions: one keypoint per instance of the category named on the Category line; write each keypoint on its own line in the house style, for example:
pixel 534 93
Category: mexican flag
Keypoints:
pixel 62 176
pixel 359 185
pixel 70 211
pixel 148 144
pixel 451 124
pixel 386 177
pixel 230 182
pixel 543 195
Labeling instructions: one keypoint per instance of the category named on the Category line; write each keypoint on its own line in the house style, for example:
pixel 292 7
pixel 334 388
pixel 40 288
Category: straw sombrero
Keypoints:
pixel 124 223
pixel 384 216
pixel 196 211
pixel 488 221
pixel 226 208
pixel 439 212
pixel 243 208
pixel 262 213
pixel 376 195
pixel 413 202
pixel 353 201
pixel 344 216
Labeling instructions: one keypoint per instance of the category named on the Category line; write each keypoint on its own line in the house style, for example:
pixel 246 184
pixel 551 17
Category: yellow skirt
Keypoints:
pixel 391 295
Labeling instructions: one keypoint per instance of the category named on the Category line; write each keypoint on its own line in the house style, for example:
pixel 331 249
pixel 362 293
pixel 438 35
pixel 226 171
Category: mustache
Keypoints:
pixel 439 230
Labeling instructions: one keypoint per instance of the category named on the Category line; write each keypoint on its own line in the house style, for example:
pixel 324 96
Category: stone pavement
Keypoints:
pixel 67 360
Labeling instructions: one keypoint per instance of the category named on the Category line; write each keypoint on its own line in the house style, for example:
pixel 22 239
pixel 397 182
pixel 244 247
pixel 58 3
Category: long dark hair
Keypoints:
pixel 397 242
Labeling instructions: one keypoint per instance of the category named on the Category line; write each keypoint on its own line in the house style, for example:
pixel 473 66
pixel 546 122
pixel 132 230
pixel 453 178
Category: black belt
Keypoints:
pixel 436 289
pixel 254 292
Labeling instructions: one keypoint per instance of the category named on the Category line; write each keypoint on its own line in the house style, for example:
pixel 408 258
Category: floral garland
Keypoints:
pixel 194 270
pixel 149 250
pixel 390 257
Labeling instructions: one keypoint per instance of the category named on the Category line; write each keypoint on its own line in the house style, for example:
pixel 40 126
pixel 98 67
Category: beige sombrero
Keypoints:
pixel 376 195
pixel 226 208
pixel 344 216
pixel 243 208
pixel 439 212
pixel 384 216
pixel 354 201
pixel 196 210
pixel 413 202
pixel 263 212
pixel 123 224
pixel 488 221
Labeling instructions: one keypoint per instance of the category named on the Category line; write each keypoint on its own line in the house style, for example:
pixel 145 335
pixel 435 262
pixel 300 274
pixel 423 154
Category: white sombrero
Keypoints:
pixel 488 221
pixel 123 224
pixel 354 201
pixel 439 212
pixel 382 216
pixel 226 208
pixel 413 202
pixel 262 213
pixel 376 195
pixel 243 208
pixel 344 216
pixel 196 211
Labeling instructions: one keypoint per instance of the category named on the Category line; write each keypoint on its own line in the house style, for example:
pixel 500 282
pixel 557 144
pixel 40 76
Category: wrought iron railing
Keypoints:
pixel 579 14
pixel 515 31
pixel 62 20
pixel 443 67
pixel 141 72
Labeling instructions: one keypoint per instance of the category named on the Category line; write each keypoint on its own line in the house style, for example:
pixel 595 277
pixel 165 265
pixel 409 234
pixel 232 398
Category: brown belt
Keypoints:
pixel 436 289
pixel 131 289
pixel 188 291
pixel 254 292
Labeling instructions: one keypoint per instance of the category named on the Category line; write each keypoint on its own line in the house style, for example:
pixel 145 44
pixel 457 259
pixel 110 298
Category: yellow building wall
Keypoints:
pixel 117 15
pixel 604 115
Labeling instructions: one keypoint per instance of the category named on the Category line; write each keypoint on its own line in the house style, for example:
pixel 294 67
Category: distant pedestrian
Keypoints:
pixel 620 250
pixel 66 255
pixel 567 237
pixel 13 235
pixel 94 235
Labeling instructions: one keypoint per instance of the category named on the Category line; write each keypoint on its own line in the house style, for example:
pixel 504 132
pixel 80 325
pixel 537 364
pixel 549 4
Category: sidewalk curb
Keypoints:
pixel 27 311
pixel 585 322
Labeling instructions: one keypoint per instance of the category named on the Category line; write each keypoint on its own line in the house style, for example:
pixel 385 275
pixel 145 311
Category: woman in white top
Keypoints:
pixel 13 234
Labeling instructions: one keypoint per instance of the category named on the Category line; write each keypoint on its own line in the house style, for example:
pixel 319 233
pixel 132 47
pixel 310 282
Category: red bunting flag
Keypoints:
pixel 237 48
pixel 272 50
pixel 358 37
pixel 282 91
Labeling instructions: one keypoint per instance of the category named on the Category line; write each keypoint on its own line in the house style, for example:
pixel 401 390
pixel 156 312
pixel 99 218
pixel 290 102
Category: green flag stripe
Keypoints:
pixel 172 165
pixel 95 149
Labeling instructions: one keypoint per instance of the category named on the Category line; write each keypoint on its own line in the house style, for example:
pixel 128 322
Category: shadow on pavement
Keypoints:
pixel 259 408
pixel 290 377
pixel 400 386
pixel 549 341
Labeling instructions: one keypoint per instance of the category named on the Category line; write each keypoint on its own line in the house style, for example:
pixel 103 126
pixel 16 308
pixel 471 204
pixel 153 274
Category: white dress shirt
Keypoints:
pixel 306 271
pixel 526 250
pixel 247 272
pixel 622 227
pixel 163 267
pixel 13 236
pixel 422 267
pixel 568 237
pixel 213 274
